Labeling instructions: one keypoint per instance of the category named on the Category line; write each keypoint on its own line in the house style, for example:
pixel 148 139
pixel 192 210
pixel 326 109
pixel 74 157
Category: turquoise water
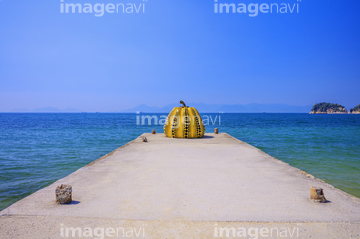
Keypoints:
pixel 38 149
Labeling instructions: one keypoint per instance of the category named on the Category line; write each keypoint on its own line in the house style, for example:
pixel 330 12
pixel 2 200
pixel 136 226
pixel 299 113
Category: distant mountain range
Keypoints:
pixel 204 108
pixel 225 108
pixel 48 110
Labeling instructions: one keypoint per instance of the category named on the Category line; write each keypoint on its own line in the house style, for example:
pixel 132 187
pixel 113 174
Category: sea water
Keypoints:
pixel 37 149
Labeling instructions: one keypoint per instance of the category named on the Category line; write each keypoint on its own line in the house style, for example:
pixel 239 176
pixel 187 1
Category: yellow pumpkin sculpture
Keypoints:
pixel 184 122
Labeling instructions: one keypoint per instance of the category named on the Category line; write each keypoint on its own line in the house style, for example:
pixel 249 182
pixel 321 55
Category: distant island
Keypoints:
pixel 355 110
pixel 328 108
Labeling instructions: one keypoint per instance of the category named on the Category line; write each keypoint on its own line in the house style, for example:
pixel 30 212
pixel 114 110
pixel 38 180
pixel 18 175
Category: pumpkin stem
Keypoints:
pixel 182 102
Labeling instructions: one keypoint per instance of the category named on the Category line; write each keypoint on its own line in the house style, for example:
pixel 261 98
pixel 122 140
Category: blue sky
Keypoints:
pixel 178 49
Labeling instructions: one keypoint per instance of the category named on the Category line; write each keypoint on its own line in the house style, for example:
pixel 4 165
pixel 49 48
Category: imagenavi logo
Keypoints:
pixel 254 9
pixel 100 9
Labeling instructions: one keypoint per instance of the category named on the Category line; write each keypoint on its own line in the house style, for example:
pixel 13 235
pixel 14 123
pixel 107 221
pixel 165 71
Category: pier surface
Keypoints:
pixel 186 188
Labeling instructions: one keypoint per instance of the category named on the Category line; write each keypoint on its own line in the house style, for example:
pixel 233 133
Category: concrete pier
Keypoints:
pixel 186 188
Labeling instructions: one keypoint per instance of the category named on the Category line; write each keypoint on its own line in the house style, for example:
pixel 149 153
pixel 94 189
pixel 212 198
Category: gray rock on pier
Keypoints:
pixel 63 194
